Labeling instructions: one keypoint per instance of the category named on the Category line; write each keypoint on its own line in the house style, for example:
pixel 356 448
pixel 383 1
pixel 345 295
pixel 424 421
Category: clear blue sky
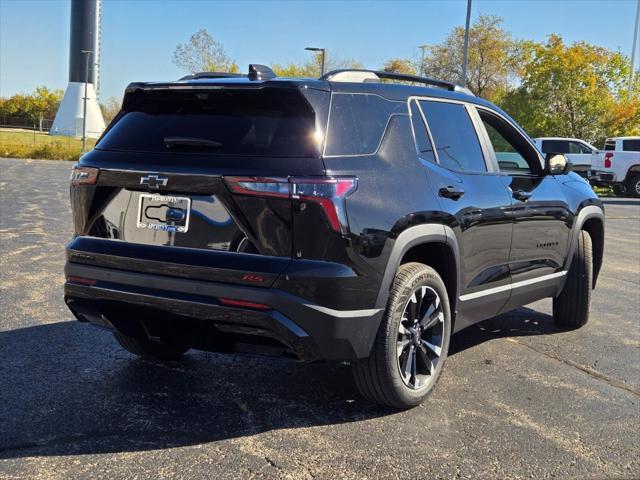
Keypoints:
pixel 138 37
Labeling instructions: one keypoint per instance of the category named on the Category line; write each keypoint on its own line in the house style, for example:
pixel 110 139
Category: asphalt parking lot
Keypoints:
pixel 518 397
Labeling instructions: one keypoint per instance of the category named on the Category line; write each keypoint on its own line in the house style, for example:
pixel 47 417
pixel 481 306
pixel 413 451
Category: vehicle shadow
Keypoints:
pixel 523 322
pixel 68 389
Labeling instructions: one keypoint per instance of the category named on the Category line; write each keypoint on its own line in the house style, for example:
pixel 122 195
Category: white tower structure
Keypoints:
pixel 75 117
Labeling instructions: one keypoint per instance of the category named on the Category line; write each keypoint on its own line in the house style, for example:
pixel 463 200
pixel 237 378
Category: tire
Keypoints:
pixel 619 190
pixel 150 349
pixel 633 186
pixel 417 292
pixel 571 307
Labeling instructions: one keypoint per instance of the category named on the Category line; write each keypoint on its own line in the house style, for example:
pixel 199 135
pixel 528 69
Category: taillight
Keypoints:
pixel 607 159
pixel 81 280
pixel 232 302
pixel 328 192
pixel 260 186
pixel 84 176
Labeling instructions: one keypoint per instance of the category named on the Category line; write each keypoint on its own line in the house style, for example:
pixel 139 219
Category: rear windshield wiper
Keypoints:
pixel 171 142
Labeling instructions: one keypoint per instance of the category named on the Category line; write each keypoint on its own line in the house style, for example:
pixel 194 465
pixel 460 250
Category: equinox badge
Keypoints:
pixel 154 181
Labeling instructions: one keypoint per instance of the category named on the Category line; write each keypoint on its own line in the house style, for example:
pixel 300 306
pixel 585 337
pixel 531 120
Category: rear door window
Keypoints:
pixel 631 145
pixel 455 138
pixel 267 122
pixel 556 146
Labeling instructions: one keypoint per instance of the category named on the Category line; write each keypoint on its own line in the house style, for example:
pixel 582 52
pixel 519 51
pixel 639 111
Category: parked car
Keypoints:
pixel 340 219
pixel 621 158
pixel 580 153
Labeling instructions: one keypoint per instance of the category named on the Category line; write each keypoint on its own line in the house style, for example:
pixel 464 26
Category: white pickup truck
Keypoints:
pixel 581 154
pixel 618 164
pixel 621 158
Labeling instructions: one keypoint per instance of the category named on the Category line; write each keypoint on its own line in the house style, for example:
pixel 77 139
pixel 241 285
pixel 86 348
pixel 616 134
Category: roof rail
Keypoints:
pixel 195 76
pixel 363 75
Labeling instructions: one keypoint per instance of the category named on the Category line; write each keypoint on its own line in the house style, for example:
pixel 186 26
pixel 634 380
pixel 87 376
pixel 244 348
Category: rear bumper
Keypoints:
pixel 134 302
pixel 599 178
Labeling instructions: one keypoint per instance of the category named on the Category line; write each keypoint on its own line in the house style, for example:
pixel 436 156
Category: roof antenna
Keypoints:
pixel 260 72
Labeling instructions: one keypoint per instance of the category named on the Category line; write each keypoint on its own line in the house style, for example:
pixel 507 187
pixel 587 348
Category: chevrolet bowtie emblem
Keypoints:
pixel 154 181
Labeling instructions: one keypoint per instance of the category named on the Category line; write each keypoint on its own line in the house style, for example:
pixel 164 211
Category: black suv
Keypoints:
pixel 361 217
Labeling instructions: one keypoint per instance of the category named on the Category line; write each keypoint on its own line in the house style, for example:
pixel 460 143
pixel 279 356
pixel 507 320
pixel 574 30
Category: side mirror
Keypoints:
pixel 556 164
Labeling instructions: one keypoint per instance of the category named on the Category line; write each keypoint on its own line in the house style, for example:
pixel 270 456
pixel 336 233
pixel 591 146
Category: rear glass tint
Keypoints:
pixel 357 123
pixel 266 122
pixel 455 137
pixel 631 145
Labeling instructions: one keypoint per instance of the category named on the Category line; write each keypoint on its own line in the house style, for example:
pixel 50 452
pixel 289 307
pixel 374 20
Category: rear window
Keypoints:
pixel 563 146
pixel 610 145
pixel 631 145
pixel 555 146
pixel 267 122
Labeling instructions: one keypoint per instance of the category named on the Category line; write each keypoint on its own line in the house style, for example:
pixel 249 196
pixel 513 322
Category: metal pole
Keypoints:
pixel 633 48
pixel 423 48
pixel 323 52
pixel 465 52
pixel 84 106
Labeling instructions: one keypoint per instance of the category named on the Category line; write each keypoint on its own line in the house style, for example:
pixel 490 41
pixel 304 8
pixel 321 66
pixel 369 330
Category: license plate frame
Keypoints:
pixel 171 202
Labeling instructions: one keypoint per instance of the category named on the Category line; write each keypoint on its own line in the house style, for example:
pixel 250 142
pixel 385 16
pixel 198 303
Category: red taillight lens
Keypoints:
pixel 260 186
pixel 607 160
pixel 328 192
pixel 84 176
pixel 81 280
pixel 230 302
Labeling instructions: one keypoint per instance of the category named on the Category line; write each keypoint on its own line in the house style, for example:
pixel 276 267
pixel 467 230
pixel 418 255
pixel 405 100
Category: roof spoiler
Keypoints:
pixel 363 75
pixel 256 72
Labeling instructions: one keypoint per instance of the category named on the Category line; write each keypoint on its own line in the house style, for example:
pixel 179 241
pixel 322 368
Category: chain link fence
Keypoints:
pixel 26 123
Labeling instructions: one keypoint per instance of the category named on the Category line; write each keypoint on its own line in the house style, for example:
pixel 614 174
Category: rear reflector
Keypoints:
pixel 230 302
pixel 81 280
pixel 328 192
pixel 84 176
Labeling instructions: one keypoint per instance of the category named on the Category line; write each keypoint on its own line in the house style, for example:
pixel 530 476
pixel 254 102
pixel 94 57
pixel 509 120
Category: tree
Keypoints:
pixel 494 57
pixel 399 65
pixel 578 91
pixel 203 53
pixel 311 68
pixel 110 109
pixel 41 104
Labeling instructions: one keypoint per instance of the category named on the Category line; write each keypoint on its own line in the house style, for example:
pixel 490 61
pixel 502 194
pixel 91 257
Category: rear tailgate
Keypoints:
pixel 168 208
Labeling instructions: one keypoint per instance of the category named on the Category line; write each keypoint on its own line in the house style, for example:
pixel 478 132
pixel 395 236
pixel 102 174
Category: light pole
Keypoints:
pixel 86 53
pixel 423 48
pixel 323 51
pixel 465 51
pixel 633 48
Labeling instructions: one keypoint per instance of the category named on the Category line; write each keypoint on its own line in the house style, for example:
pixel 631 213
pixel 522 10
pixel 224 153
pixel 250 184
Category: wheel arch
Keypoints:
pixel 432 244
pixel 595 228
pixel 590 219
pixel 631 171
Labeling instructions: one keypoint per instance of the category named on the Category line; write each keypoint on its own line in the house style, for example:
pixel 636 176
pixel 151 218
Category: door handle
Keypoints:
pixel 522 195
pixel 451 192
